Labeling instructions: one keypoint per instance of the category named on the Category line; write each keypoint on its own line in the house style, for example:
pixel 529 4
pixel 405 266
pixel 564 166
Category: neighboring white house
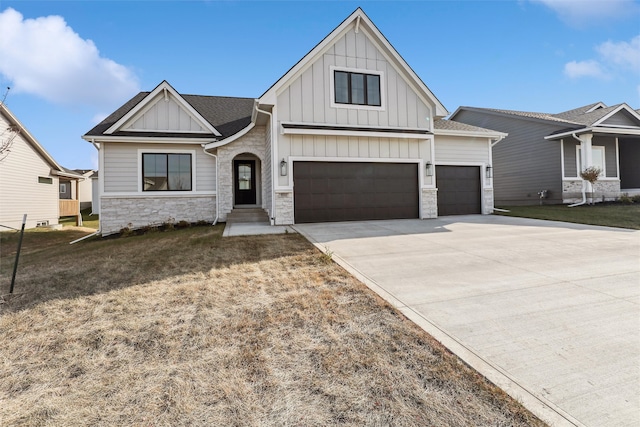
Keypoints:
pixel 29 178
pixel 349 133
pixel 95 193
pixel 85 188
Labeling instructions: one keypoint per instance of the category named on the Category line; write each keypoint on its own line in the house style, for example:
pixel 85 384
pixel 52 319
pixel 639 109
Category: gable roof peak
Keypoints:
pixel 360 19
pixel 569 114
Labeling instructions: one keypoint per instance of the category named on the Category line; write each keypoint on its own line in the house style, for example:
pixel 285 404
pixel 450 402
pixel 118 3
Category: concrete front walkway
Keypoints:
pixel 548 311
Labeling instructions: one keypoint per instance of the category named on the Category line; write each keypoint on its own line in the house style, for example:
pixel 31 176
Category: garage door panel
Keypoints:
pixel 343 191
pixel 458 190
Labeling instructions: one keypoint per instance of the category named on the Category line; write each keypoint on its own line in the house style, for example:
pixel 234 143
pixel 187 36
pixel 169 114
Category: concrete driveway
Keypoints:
pixel 548 311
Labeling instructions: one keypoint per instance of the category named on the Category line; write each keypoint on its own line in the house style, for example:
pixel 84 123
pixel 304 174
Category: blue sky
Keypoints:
pixel 71 63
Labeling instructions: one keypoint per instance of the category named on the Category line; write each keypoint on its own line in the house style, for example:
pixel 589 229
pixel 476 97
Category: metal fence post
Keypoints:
pixel 15 265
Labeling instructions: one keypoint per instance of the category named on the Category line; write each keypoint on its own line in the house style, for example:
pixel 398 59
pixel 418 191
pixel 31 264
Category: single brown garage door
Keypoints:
pixel 458 190
pixel 340 191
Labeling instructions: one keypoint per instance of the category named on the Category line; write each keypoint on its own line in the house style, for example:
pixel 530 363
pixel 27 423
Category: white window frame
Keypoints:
pixel 142 151
pixel 603 173
pixel 63 188
pixel 332 89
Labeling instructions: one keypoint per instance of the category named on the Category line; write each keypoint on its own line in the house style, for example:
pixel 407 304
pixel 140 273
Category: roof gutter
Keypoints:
pixel 495 141
pixel 216 144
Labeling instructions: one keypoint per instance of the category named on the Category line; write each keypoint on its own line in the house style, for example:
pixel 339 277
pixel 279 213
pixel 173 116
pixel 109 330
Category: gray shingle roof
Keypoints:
pixel 227 114
pixel 442 124
pixel 577 117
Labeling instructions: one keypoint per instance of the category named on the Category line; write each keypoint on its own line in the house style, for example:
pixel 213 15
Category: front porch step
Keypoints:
pixel 252 215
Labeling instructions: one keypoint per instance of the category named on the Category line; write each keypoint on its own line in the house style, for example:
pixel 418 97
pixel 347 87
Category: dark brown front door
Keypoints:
pixel 458 190
pixel 245 182
pixel 342 191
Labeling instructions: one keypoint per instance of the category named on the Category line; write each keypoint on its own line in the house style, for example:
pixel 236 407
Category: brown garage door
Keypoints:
pixel 458 190
pixel 340 191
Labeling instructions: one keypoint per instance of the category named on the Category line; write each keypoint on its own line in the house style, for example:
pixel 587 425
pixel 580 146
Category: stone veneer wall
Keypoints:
pixel 429 203
pixel 252 143
pixel 488 206
pixel 572 190
pixel 284 208
pixel 117 213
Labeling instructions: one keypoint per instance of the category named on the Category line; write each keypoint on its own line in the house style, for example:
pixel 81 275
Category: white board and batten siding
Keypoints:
pixel 307 98
pixel 327 146
pixel 164 115
pixel 20 191
pixel 122 167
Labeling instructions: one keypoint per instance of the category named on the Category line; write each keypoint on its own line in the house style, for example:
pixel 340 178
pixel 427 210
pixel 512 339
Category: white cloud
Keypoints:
pixel 626 55
pixel 613 58
pixel 590 68
pixel 45 57
pixel 588 12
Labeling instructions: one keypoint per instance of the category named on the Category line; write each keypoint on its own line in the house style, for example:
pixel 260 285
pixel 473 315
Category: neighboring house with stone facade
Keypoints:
pixel 548 151
pixel 349 133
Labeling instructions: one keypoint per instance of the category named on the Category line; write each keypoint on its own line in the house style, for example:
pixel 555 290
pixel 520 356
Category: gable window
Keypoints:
pixel 357 88
pixel 166 172
pixel 45 180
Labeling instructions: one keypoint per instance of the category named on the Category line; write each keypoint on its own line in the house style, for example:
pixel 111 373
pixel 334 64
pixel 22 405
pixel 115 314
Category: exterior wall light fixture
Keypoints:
pixel 283 168
pixel 489 171
pixel 428 168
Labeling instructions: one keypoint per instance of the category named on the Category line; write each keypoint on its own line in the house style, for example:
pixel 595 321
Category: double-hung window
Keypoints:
pixel 166 172
pixel 357 88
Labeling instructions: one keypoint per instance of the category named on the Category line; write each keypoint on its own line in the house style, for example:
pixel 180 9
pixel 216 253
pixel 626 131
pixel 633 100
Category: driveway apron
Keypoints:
pixel 549 311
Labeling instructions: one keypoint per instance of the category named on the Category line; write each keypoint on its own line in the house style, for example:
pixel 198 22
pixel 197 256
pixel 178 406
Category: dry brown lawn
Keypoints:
pixel 184 328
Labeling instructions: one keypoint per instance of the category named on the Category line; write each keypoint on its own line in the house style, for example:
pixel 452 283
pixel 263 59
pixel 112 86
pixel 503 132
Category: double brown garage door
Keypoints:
pixel 342 191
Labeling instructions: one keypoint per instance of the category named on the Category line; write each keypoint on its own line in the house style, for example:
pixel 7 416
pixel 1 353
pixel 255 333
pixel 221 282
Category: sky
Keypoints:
pixel 69 64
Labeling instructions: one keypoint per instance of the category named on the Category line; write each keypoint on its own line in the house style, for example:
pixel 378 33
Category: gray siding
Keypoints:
pixel 622 118
pixel 121 165
pixel 524 163
pixel 570 161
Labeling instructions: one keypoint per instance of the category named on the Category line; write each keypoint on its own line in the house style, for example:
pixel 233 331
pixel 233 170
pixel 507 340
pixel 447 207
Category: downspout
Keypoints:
pixel 215 221
pixel 584 189
pixel 85 237
pixel 99 227
pixel 273 164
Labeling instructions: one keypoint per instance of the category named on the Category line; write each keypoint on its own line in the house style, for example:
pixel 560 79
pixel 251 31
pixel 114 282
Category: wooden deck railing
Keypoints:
pixel 69 208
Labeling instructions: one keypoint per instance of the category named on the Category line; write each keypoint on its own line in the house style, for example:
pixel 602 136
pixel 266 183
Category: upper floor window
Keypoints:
pixel 357 88
pixel 166 172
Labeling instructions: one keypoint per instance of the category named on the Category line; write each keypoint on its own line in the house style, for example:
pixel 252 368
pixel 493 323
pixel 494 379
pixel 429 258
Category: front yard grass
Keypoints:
pixel 184 328
pixel 607 214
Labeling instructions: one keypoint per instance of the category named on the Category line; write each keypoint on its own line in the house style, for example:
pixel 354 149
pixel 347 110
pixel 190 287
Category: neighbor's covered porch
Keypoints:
pixel 616 154
pixel 69 197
